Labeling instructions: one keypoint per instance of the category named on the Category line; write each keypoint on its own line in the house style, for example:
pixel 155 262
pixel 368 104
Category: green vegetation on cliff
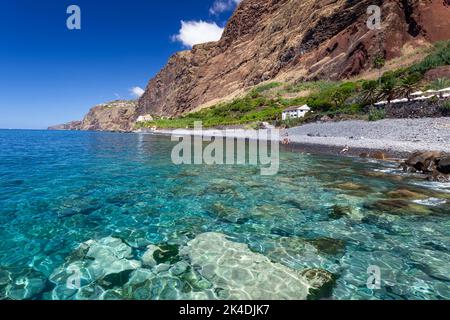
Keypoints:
pixel 345 99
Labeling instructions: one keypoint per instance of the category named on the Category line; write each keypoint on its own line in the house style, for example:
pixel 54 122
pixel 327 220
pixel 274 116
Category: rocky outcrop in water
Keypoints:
pixel 292 40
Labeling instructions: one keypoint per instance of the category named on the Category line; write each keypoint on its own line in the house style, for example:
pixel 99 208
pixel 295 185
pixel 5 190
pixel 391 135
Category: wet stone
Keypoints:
pixel 338 212
pixel 405 194
pixel 115 294
pixel 5 277
pixel 63 292
pixel 179 268
pixel 238 273
pixel 225 213
pixel 166 253
pixel 27 286
pixel 147 258
pixel 104 262
pixel 322 283
pixel 329 245
pixel 90 292
pixel 398 207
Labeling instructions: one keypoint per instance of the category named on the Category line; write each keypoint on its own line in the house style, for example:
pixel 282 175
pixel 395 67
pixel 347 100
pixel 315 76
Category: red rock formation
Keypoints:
pixel 302 39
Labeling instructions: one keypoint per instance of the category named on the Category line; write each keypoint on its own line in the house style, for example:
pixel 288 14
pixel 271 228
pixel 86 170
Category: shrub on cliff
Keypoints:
pixel 439 57
pixel 439 84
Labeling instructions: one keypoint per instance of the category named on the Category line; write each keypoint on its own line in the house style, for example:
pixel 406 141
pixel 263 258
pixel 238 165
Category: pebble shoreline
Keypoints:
pixel 396 137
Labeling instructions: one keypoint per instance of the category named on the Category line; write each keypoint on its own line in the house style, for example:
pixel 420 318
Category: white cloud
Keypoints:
pixel 137 92
pixel 196 32
pixel 220 6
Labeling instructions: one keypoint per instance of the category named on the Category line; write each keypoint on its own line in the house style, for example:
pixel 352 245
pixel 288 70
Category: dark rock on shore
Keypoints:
pixel 431 108
pixel 435 164
pixel 444 165
pixel 424 162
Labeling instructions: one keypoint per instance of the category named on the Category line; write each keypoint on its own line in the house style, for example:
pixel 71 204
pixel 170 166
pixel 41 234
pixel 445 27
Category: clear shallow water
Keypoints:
pixel 60 189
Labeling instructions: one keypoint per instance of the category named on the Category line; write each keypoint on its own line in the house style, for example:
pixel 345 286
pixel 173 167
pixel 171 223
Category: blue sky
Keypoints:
pixel 51 75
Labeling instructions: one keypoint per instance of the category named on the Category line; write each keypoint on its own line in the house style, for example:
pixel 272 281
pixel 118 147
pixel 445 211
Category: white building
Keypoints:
pixel 144 118
pixel 296 112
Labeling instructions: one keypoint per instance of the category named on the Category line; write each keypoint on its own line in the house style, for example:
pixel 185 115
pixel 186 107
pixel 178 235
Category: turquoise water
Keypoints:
pixel 60 189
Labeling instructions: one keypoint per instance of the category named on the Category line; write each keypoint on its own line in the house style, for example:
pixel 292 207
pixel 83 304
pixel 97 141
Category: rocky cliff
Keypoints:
pixel 117 116
pixel 292 40
pixel 71 126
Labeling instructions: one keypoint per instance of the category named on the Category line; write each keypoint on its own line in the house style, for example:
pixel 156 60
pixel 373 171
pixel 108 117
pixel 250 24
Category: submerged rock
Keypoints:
pixel 352 188
pixel 5 277
pixel 106 262
pixel 166 253
pixel 398 207
pixel 147 259
pixel 405 194
pixel 108 246
pixel 146 285
pixel 90 292
pixel 226 213
pixel 238 273
pixel 338 212
pixel 329 245
pixel 319 289
pixel 26 286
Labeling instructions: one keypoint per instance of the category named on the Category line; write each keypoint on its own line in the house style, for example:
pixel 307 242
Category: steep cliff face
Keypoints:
pixel 292 39
pixel 70 126
pixel 117 116
pixel 114 116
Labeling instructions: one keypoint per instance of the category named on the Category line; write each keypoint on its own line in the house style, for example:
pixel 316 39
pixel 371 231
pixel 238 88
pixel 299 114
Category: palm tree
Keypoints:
pixel 388 89
pixel 409 84
pixel 370 92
